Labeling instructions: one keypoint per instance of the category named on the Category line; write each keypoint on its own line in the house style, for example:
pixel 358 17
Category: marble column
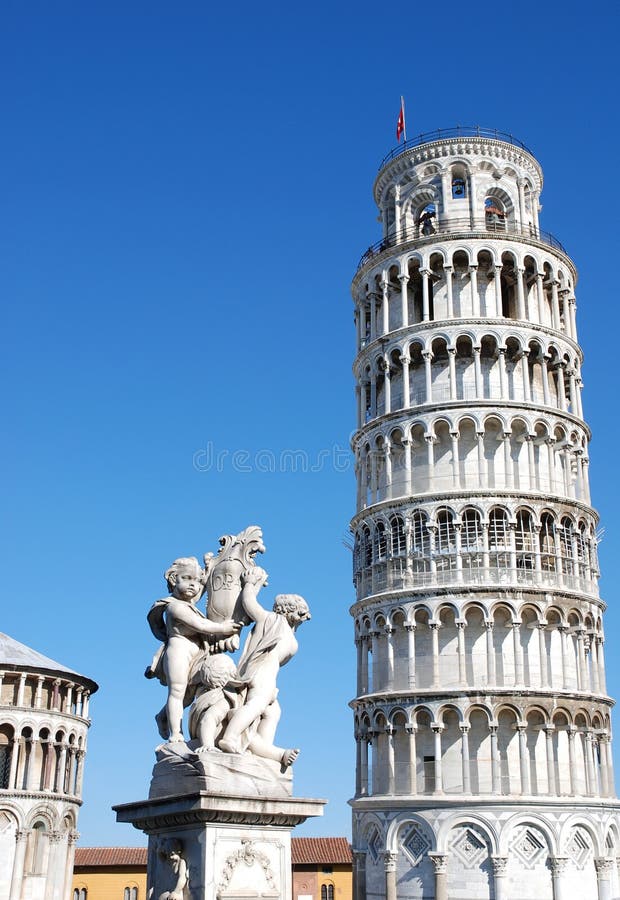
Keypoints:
pixel 500 876
pixel 475 298
pixel 491 668
pixel 407 462
pixel 434 627
pixel 428 376
pixel 524 760
pixel 20 689
pixel 410 629
pixel 571 731
pixel 495 762
pixel 450 302
pixel 518 652
pixel 540 288
pixel 440 862
pixel 498 290
pixel 389 641
pixel 17 877
pixel 385 308
pixel 389 862
pixel 452 372
pixel 552 787
pixel 389 762
pixel 56 855
pixel 477 373
pixel 558 865
pixel 412 731
pixel 72 839
pixel 520 293
pixel 464 729
pixel 437 730
pixel 425 294
pixel 555 305
pixel 364 740
pixel 603 866
pixel 404 304
pixel 460 626
pixel 503 382
pixel 454 438
pixel 405 362
pixel 387 387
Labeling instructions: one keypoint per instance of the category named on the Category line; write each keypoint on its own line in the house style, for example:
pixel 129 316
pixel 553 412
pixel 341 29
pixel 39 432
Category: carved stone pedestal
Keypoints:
pixel 210 845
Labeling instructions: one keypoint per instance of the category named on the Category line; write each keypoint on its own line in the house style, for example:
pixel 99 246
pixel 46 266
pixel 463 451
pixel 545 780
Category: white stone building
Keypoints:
pixel 43 728
pixel 482 719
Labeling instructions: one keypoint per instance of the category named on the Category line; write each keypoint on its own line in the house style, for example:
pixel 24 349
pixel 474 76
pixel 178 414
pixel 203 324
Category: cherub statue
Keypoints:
pixel 269 646
pixel 218 690
pixel 185 631
pixel 171 851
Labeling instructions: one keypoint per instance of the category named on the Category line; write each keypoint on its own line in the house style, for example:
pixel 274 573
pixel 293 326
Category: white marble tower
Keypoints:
pixel 44 721
pixel 482 719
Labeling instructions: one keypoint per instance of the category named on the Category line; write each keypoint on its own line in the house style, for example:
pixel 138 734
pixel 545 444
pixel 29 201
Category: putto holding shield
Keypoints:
pixel 234 708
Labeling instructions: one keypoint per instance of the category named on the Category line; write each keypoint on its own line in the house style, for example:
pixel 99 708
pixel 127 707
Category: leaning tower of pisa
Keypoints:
pixel 482 719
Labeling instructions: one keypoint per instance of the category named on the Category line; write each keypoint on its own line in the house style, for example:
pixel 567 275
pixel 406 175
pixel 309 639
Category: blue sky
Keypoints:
pixel 185 193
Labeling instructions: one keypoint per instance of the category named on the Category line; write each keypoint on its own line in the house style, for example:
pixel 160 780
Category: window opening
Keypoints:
pixel 425 222
pixel 458 188
pixel 494 215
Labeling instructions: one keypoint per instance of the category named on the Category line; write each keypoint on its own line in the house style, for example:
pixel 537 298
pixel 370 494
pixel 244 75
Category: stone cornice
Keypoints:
pixel 490 694
pixel 48 796
pixel 420 803
pixel 454 591
pixel 39 714
pixel 421 501
pixel 413 412
pixel 445 148
pixel 200 807
pixel 378 346
pixel 388 257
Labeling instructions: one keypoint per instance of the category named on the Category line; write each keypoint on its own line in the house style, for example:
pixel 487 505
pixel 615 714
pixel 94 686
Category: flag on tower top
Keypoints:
pixel 400 125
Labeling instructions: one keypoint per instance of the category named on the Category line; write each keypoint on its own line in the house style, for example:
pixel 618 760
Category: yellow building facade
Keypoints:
pixel 321 871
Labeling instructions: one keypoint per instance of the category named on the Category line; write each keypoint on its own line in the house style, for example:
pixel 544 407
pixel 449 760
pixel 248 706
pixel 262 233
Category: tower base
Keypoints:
pixel 530 849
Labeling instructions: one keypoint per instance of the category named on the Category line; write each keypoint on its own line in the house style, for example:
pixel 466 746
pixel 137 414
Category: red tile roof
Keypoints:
pixel 110 856
pixel 305 851
pixel 322 850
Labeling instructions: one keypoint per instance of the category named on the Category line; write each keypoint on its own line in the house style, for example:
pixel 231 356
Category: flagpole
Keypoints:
pixel 402 103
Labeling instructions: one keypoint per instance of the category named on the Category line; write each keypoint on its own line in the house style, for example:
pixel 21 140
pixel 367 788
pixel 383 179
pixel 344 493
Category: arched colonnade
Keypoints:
pixel 461 283
pixel 476 647
pixel 476 450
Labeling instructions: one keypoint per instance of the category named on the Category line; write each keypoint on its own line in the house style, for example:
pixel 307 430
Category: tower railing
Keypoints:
pixel 459 131
pixel 462 227
pixel 394 575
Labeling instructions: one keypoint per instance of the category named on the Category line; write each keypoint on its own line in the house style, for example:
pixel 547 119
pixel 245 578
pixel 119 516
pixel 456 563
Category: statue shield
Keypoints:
pixel 223 584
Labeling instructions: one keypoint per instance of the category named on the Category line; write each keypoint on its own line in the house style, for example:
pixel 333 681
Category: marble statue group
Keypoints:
pixel 233 706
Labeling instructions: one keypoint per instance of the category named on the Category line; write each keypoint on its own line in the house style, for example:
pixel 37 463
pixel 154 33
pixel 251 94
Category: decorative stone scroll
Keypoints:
pixel 250 856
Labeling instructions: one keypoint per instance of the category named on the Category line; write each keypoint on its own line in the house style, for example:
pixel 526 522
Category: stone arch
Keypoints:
pixel 528 842
pixel 581 842
pixel 399 824
pixel 373 838
pixel 527 818
pixel 462 818
pixel 469 846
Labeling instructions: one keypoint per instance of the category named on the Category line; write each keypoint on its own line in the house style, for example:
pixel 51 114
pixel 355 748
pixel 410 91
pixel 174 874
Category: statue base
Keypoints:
pixel 180 768
pixel 219 826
